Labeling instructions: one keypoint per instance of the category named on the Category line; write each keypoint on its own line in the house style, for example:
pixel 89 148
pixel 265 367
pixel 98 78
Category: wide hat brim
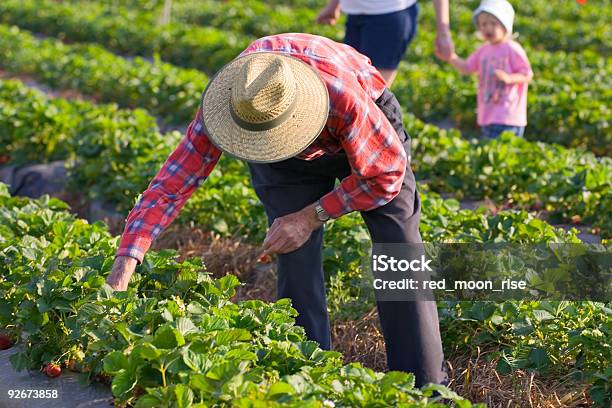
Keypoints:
pixel 284 141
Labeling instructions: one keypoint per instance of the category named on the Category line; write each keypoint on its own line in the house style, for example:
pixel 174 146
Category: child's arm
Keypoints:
pixel 519 67
pixel 460 64
pixel 510 79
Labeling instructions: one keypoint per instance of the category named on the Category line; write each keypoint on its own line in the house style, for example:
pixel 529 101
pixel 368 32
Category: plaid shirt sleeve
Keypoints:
pixel 374 151
pixel 184 170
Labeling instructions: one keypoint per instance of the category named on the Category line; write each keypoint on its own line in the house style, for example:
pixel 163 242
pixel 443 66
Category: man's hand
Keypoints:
pixel 123 268
pixel 444 44
pixel 290 232
pixel 330 13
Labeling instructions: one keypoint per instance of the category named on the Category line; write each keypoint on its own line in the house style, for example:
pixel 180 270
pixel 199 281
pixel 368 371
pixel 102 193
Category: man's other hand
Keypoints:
pixel 290 232
pixel 123 268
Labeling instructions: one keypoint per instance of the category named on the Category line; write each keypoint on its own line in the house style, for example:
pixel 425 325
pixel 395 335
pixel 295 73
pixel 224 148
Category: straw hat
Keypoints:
pixel 264 107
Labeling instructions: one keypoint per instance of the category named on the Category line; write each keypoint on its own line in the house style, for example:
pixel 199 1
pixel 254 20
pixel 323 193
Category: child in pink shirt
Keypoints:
pixel 503 71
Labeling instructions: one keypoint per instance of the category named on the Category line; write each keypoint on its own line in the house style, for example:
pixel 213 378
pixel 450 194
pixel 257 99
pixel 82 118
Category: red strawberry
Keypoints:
pixel 265 259
pixel 52 370
pixel 5 342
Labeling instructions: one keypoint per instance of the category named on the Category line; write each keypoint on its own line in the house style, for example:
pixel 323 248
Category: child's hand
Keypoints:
pixel 447 58
pixel 502 76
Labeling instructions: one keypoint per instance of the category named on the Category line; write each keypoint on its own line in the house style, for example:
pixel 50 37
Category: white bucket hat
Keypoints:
pixel 264 107
pixel 501 9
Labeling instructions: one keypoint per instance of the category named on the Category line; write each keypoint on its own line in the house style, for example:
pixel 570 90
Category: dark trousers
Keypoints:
pixel 411 330
pixel 494 131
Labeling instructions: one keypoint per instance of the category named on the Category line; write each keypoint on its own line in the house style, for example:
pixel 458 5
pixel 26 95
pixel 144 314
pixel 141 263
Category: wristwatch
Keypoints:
pixel 322 215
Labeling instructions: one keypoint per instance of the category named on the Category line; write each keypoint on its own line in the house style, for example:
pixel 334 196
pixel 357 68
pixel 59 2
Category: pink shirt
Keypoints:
pixel 499 103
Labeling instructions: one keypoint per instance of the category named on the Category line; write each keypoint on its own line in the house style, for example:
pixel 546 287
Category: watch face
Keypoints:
pixel 321 214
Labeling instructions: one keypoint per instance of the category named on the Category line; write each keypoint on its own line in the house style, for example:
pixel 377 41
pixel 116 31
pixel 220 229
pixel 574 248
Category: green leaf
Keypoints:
pixel 148 401
pixel 185 326
pixel 168 337
pixel 30 253
pixel 539 357
pixel 231 335
pixel 123 381
pixel 200 382
pixel 184 396
pixel 503 366
pixel 396 379
pixel 522 327
pixel 115 361
pixel 145 351
pixel 541 315
pixel 308 348
pixel 42 305
pixel 279 389
pixel 167 315
pixel 442 390
pixel 20 361
pixel 193 360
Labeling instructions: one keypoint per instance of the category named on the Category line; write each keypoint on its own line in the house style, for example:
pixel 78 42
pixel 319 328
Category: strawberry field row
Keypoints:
pixel 168 346
pixel 114 148
pixel 163 89
pixel 573 114
pixel 568 184
pixel 174 323
pixel 127 31
pixel 174 338
pixel 105 145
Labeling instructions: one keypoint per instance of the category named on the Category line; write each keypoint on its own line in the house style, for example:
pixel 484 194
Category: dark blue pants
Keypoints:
pixel 411 329
pixel 383 38
pixel 494 131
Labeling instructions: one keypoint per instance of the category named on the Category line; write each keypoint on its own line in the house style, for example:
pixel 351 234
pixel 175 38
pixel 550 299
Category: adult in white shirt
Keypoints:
pixel 383 29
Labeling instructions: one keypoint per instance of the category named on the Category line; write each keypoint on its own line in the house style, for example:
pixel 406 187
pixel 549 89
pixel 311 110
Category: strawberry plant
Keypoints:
pixel 175 337
pixel 564 182
pixel 128 31
pixel 573 114
pixel 110 154
pixel 164 90
pixel 562 337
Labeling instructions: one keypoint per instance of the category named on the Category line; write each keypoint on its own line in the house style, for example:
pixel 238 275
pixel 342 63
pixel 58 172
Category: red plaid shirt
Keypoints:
pixel 355 125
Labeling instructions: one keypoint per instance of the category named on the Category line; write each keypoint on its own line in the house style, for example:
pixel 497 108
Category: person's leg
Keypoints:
pixel 284 188
pixel 519 131
pixel 486 132
pixel 352 34
pixel 388 75
pixel 411 328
